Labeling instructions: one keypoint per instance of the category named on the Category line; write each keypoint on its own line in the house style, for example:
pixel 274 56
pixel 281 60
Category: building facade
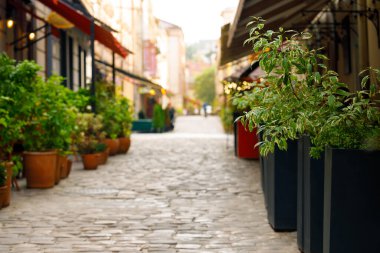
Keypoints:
pixel 171 61
pixel 348 31
pixel 60 35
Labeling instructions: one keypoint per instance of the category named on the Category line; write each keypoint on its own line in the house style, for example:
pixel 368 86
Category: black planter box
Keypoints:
pixel 351 201
pixel 280 176
pixel 310 199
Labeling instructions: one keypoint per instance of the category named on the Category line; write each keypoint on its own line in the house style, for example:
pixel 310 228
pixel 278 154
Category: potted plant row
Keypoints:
pixel 337 159
pixel 48 126
pixel 116 115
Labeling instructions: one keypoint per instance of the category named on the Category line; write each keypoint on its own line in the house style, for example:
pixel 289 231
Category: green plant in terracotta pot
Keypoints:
pixel 106 106
pixel 111 126
pixel 88 139
pixel 18 81
pixel 10 132
pixel 125 112
pixel 48 131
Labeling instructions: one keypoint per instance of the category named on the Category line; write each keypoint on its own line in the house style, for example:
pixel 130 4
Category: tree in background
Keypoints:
pixel 205 85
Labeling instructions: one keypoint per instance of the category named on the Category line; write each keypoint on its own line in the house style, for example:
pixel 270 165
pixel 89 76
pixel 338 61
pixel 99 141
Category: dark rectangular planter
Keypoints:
pixel 281 188
pixel 351 201
pixel 310 199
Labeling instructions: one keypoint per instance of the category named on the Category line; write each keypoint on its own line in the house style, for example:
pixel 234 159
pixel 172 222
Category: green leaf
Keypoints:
pixel 331 100
pixel 364 81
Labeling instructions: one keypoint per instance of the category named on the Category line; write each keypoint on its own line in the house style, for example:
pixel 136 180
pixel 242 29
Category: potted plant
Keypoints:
pixel 107 107
pixel 48 132
pixel 351 138
pixel 19 80
pixel 103 149
pixel 111 126
pixel 88 141
pixel 304 97
pixel 9 134
pixel 125 121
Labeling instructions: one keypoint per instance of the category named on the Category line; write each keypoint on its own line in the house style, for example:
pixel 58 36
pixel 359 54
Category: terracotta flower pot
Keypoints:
pixel 113 145
pixel 125 143
pixel 103 157
pixel 40 169
pixel 90 161
pixel 63 162
pixel 5 191
pixel 3 196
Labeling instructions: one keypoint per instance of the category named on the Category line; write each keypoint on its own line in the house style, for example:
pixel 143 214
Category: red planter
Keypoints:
pixel 246 142
pixel 40 169
pixel 90 161
pixel 113 145
pixel 124 144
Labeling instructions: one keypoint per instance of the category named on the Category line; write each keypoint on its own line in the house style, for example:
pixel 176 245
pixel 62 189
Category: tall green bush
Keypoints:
pixel 116 111
pixel 301 96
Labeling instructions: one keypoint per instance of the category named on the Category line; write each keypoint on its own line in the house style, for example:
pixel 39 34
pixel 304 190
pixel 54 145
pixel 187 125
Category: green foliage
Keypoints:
pixel 205 85
pixel 17 165
pixel 355 125
pixel 16 84
pixel 100 147
pixel 88 133
pixel 301 96
pixel 126 112
pixel 227 118
pixel 52 119
pixel 116 112
pixel 158 121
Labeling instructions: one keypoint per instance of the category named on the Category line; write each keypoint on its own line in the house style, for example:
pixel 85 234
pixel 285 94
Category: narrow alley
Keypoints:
pixel 183 191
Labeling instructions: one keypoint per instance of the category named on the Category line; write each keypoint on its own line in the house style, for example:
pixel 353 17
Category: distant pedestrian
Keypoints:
pixel 205 109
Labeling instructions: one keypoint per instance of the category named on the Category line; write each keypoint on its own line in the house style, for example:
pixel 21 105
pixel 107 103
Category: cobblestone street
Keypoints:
pixel 174 192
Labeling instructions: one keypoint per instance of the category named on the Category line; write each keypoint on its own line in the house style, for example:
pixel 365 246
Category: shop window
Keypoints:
pixel 71 64
pixel 63 54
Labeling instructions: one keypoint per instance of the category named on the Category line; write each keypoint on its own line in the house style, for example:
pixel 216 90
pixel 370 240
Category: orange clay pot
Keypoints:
pixel 125 143
pixel 40 169
pixel 5 191
pixel 90 161
pixel 63 162
pixel 113 145
pixel 103 157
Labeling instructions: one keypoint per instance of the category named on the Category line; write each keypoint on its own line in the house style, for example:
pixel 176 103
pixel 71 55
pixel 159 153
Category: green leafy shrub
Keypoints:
pixel 116 112
pixel 88 134
pixel 301 96
pixel 158 120
pixel 52 118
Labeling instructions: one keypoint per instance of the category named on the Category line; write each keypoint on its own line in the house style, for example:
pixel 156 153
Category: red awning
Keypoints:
pixel 84 24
